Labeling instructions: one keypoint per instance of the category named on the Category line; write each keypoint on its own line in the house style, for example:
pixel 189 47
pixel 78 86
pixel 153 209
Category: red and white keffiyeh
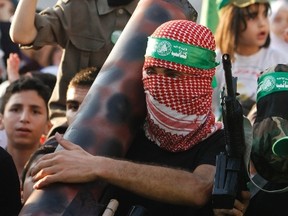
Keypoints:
pixel 179 109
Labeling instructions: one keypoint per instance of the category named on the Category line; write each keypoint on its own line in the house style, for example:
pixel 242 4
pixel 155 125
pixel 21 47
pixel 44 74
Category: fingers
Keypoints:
pixel 44 181
pixel 65 143
pixel 47 170
pixel 13 63
pixel 43 162
pixel 41 179
pixel 42 175
pixel 239 205
pixel 57 166
pixel 41 183
pixel 225 212
pixel 50 167
pixel 246 195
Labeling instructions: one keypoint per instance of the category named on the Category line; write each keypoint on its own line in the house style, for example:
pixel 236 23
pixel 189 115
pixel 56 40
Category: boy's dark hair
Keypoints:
pixel 84 77
pixel 25 84
pixel 47 78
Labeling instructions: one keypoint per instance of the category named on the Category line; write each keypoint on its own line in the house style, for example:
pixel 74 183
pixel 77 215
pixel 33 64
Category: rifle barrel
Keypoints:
pixel 228 75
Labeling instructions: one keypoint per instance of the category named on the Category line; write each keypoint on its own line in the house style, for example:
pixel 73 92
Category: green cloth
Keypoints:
pixel 209 14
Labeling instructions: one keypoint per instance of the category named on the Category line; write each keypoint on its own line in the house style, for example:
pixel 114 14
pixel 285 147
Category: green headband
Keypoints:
pixel 239 3
pixel 182 53
pixel 271 83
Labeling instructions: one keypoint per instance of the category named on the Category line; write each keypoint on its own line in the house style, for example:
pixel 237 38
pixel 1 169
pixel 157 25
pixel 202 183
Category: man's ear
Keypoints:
pixel 1 122
pixel 48 126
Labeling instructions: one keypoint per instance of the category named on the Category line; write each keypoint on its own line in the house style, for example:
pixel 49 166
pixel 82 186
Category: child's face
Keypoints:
pixel 279 25
pixel 74 98
pixel 25 119
pixel 257 29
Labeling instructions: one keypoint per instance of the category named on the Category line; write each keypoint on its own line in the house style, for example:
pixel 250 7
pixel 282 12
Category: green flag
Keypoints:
pixel 209 14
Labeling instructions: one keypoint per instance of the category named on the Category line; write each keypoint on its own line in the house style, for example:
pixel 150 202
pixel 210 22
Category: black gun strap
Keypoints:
pixel 259 181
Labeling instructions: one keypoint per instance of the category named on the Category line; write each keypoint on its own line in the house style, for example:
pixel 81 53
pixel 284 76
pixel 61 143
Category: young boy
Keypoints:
pixel 24 116
pixel 76 92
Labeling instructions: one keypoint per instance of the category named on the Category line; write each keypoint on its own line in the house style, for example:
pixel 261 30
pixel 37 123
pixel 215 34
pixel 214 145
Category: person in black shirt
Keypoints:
pixel 10 195
pixel 170 166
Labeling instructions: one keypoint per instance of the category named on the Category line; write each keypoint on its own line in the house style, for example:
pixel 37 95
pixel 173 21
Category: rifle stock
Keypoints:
pixel 229 163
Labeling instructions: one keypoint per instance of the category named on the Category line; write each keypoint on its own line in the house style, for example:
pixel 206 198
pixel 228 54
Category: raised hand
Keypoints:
pixel 13 65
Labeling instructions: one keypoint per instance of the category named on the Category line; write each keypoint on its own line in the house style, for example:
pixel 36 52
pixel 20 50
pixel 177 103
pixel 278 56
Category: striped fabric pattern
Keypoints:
pixel 179 109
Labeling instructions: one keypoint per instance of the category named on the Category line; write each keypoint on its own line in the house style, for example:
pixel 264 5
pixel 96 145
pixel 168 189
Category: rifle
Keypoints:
pixel 229 164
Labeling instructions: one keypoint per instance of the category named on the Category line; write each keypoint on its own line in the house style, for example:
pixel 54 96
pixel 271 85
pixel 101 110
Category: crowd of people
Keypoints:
pixel 50 59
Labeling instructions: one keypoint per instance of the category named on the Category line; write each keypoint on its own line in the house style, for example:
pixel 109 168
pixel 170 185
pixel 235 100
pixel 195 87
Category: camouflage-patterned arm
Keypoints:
pixel 111 112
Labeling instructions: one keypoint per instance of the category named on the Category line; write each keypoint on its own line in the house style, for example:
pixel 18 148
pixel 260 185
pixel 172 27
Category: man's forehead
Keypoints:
pixel 29 98
pixel 75 92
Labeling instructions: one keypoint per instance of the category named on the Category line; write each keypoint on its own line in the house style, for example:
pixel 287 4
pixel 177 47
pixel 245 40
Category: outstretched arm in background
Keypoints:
pixel 23 30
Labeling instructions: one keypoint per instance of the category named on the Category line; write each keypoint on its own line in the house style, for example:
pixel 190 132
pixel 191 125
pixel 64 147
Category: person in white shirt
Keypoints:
pixel 246 39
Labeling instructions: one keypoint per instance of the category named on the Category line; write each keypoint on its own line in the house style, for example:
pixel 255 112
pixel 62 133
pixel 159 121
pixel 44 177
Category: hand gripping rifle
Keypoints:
pixel 229 164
